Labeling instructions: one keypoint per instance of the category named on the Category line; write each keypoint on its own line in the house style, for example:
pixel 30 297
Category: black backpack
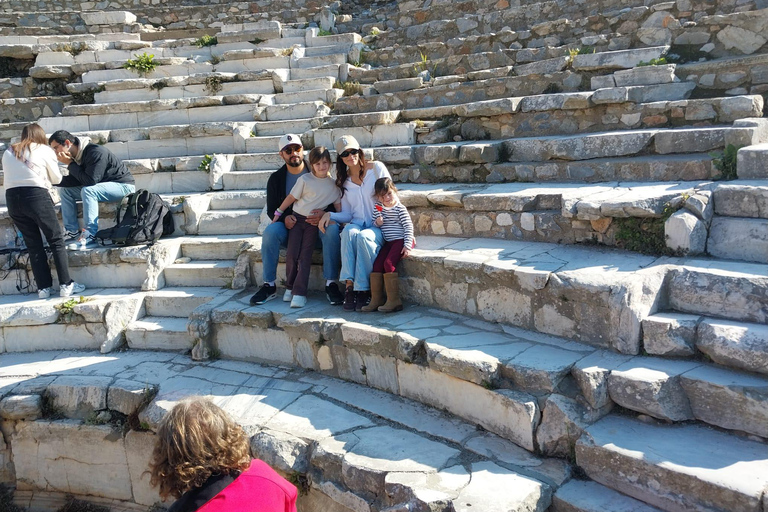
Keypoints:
pixel 147 217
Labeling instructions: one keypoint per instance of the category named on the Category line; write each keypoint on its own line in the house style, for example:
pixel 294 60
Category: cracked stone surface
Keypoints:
pixel 363 441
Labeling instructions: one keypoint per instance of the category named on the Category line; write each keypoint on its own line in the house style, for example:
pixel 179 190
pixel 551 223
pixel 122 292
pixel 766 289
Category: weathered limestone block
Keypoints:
pixel 745 41
pixel 646 75
pixel 510 414
pixel 652 387
pixel 127 396
pixel 371 453
pixel 728 399
pixel 624 59
pixel 735 344
pixel 79 396
pixel 117 316
pixel 738 238
pixel 70 457
pixel 700 204
pixel 752 162
pixel 138 451
pixel 21 407
pixel 108 18
pixel 283 452
pixel 685 233
pixel 670 334
pixel 591 374
pixel 587 496
pixel 741 200
pixel 426 491
pixel 401 84
pixel 673 471
pixel 563 420
pixel 482 493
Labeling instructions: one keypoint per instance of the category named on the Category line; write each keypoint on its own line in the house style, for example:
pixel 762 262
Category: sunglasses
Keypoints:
pixel 292 149
pixel 349 152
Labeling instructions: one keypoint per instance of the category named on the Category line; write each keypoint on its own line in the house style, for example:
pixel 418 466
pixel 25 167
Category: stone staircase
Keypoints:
pixel 542 363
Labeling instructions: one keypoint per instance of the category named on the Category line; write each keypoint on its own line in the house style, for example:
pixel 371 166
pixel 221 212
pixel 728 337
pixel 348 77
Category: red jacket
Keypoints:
pixel 257 489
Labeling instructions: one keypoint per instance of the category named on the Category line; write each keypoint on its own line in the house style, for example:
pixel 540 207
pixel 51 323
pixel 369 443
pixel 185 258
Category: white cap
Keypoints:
pixel 289 139
pixel 346 142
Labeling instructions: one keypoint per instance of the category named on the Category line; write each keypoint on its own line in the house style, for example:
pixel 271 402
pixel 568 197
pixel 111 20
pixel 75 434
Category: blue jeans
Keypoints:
pixel 276 236
pixel 359 249
pixel 105 192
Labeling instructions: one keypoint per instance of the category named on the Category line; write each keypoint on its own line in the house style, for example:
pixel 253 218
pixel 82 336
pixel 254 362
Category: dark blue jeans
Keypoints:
pixel 32 211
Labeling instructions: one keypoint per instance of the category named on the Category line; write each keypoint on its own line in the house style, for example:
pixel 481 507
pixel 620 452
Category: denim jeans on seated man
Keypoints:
pixel 105 192
pixel 276 236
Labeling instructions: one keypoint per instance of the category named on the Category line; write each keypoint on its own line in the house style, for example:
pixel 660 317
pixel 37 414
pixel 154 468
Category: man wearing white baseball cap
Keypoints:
pixel 276 234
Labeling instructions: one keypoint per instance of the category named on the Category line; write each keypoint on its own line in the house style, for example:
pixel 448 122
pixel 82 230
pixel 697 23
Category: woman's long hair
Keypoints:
pixel 31 134
pixel 342 172
pixel 196 440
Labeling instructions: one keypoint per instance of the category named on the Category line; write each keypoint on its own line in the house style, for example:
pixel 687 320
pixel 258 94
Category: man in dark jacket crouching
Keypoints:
pixel 96 176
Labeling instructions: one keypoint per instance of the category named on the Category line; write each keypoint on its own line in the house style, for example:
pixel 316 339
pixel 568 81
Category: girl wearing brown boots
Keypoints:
pixel 392 217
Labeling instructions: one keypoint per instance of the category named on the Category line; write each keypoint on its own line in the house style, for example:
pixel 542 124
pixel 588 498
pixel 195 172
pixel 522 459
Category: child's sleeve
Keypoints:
pixel 405 220
pixel 298 188
pixel 378 206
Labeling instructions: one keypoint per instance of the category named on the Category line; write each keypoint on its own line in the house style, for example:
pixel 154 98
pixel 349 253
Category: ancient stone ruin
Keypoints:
pixel 587 307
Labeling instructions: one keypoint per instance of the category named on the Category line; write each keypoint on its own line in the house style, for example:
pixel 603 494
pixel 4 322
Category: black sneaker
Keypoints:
pixel 334 295
pixel 362 300
pixel 265 294
pixel 349 299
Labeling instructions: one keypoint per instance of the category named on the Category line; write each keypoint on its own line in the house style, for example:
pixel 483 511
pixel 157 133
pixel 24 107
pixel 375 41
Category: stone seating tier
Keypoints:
pixel 642 26
pixel 541 350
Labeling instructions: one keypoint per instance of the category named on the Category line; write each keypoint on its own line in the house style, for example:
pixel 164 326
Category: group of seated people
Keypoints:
pixel 306 203
pixel 31 167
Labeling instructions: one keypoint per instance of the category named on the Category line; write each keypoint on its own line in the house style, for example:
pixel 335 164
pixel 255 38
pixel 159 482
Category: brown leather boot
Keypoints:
pixel 377 292
pixel 392 284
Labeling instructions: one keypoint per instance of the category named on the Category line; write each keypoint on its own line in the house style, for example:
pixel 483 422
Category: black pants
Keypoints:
pixel 31 209
pixel 298 259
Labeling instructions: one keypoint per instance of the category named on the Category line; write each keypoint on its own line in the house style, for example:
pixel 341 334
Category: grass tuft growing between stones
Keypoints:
pixel 350 88
pixel 300 480
pixel 645 235
pixel 206 40
pixel 142 64
pixel 205 164
pixel 725 162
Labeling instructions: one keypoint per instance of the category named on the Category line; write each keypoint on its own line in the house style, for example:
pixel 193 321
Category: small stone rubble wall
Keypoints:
pixel 700 36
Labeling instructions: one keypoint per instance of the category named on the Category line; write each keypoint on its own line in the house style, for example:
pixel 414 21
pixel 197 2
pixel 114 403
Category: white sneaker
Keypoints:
pixel 84 241
pixel 71 236
pixel 287 296
pixel 65 290
pixel 298 301
pixel 44 293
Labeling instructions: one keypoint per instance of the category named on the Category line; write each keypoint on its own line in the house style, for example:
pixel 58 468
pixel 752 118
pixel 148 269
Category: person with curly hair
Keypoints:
pixel 202 458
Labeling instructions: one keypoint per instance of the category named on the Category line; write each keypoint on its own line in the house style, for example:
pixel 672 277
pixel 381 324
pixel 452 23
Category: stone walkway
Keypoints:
pixel 352 441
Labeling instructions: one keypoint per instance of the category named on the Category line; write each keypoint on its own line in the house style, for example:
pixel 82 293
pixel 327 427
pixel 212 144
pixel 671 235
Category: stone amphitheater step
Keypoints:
pixel 246 180
pixel 588 496
pixel 177 302
pixel 739 239
pixel 534 32
pixel 719 74
pixel 238 199
pixel 229 221
pixel 385 442
pixel 742 198
pixel 672 470
pixel 159 333
pixel 721 289
pixel 752 162
pixel 219 247
pixel 200 273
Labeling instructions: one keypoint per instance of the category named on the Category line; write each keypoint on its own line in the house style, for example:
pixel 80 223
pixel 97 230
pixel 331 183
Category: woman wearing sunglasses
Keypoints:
pixel 360 239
